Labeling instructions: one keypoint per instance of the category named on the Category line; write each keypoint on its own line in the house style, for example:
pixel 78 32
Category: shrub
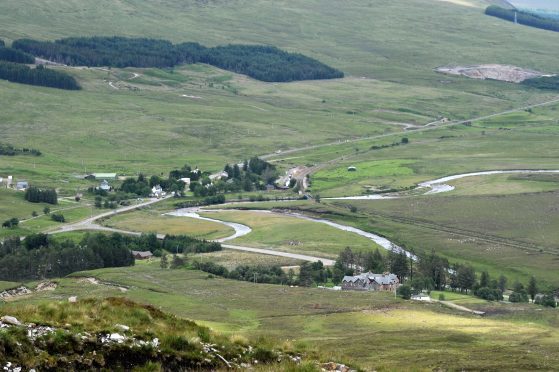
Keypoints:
pixel 547 299
pixel 58 217
pixel 489 294
pixel 12 222
pixel 404 291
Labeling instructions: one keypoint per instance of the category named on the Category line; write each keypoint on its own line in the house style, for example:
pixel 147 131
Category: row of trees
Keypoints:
pixel 141 186
pixel 40 257
pixel 523 18
pixel 9 150
pixel 544 82
pixel 266 63
pixel 253 174
pixel 256 274
pixel 16 56
pixel 41 76
pixel 37 195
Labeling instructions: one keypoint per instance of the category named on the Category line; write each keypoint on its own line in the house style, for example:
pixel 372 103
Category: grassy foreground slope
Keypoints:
pixel 338 326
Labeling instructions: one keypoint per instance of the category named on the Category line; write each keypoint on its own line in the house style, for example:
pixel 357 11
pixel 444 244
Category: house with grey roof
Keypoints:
pixel 371 282
pixel 22 185
pixel 142 255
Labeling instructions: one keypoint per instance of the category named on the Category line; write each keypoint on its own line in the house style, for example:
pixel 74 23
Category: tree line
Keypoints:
pixel 9 150
pixel 523 18
pixel 40 257
pixel 253 174
pixel 266 63
pixel 41 76
pixel 142 186
pixel 544 82
pixel 37 195
pixel 310 273
pixel 16 56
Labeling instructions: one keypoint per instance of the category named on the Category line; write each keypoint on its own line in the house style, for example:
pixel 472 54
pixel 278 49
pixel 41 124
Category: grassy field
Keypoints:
pixel 340 325
pixel 148 221
pixel 292 234
pixel 505 184
pixel 13 205
pixel 487 232
pixel 7 285
pixel 232 259
pixel 148 126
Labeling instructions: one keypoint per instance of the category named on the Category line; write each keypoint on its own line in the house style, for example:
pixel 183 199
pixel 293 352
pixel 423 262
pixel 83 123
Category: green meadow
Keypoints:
pixel 147 221
pixel 291 234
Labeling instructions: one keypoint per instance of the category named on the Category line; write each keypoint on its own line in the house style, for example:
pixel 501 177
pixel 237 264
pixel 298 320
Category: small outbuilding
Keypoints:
pixel 22 185
pixel 421 297
pixel 351 169
pixel 142 255
pixel 101 176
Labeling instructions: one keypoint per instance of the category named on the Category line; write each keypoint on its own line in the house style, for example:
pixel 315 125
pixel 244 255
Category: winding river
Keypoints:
pixel 439 185
pixel 241 230
pixel 436 186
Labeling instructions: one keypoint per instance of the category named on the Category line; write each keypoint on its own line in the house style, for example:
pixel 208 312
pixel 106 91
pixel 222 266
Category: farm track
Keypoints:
pixel 310 170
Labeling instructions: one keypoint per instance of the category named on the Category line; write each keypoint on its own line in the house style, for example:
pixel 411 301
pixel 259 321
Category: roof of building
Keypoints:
pixel 143 254
pixel 104 175
pixel 379 278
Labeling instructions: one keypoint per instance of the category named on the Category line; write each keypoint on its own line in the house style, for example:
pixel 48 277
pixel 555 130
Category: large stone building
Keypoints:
pixel 371 282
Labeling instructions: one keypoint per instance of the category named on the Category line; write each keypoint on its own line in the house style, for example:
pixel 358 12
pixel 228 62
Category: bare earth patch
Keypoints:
pixel 512 74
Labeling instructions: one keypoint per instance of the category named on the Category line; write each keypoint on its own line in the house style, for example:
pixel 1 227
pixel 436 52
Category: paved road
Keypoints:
pixel 88 223
pixel 302 257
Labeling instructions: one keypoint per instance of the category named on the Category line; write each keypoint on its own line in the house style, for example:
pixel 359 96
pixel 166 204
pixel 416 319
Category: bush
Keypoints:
pixel 11 223
pixel 404 291
pixel 442 297
pixel 58 217
pixel 520 296
pixel 547 299
pixel 489 294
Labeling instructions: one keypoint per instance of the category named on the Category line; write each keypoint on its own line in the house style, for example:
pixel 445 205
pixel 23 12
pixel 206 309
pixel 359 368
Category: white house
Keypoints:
pixel 185 180
pixel 105 186
pixel 219 175
pixel 157 191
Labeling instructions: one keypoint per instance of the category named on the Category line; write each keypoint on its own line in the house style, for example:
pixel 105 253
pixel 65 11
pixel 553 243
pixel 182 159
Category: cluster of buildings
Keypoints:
pixel 12 184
